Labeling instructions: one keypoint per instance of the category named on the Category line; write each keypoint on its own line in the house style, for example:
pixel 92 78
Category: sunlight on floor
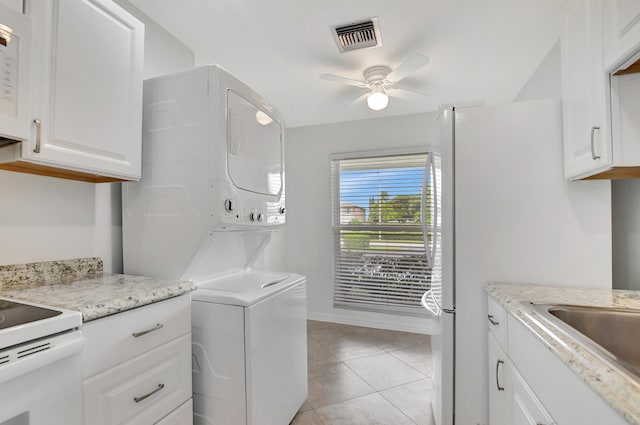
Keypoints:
pixel 364 376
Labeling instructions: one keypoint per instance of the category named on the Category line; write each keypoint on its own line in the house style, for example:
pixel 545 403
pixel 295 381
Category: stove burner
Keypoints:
pixel 14 314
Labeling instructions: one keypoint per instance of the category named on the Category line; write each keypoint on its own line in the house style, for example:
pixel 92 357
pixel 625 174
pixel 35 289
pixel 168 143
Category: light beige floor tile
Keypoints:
pixel 371 409
pixel 414 400
pixel 305 406
pixel 350 346
pixel 317 354
pixel 393 340
pixel 307 418
pixel 326 330
pixel 418 356
pixel 332 383
pixel 383 371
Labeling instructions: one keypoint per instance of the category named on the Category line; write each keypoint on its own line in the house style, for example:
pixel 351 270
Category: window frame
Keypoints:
pixel 337 228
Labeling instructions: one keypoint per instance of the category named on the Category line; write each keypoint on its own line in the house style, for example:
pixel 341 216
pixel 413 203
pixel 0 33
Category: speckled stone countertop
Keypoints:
pixel 614 387
pixel 81 285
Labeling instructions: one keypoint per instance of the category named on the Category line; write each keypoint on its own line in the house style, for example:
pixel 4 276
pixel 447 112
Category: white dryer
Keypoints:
pixel 212 189
pixel 249 349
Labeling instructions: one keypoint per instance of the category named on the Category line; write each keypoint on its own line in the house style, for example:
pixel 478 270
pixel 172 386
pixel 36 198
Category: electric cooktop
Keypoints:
pixel 14 313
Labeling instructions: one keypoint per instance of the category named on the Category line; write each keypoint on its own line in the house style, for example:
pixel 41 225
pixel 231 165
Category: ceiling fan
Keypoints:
pixel 379 80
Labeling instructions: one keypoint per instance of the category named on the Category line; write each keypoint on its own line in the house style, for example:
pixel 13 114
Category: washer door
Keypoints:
pixel 255 147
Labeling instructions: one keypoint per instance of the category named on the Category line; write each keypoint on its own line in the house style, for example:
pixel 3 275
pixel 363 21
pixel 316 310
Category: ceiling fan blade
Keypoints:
pixel 343 80
pixel 360 99
pixel 409 66
pixel 406 94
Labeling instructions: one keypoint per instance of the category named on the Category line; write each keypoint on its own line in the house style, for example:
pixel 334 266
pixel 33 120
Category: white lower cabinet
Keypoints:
pixel 529 385
pixel 498 401
pixel 137 367
pixel 183 415
pixel 511 401
pixel 525 408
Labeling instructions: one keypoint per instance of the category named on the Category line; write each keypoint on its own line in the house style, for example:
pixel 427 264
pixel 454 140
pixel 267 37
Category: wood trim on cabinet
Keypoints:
pixel 44 170
pixel 616 173
pixel 632 69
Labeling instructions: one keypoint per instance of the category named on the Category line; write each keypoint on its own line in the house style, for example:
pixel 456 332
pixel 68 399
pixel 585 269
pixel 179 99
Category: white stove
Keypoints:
pixel 21 322
pixel 40 367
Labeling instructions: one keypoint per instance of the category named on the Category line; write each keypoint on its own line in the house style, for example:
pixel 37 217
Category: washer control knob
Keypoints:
pixel 260 217
pixel 252 216
pixel 282 210
pixel 228 205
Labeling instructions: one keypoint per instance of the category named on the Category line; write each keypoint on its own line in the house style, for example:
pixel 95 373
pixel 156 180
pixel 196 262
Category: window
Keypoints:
pixel 382 211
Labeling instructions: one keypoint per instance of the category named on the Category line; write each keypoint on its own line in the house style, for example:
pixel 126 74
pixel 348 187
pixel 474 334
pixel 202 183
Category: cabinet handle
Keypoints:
pixel 593 151
pixel 143 397
pixel 141 333
pixel 498 364
pixel 38 124
pixel 493 322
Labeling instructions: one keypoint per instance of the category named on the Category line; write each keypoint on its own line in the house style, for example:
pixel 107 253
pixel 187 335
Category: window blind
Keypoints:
pixel 380 260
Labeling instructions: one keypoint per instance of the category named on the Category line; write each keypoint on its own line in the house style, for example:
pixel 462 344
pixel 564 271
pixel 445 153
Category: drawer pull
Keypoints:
pixel 593 151
pixel 498 364
pixel 141 333
pixel 38 125
pixel 143 397
pixel 493 322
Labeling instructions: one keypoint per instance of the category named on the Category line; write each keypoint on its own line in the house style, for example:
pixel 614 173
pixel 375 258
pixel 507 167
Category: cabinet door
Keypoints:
pixel 621 31
pixel 16 5
pixel 87 87
pixel 525 408
pixel 587 137
pixel 183 415
pixel 142 390
pixel 498 397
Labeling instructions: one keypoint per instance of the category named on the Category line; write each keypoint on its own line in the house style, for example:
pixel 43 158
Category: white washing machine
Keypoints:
pixel 249 349
pixel 212 189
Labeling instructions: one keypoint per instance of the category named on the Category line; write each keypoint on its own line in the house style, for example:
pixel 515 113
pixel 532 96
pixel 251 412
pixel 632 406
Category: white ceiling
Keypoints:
pixel 480 50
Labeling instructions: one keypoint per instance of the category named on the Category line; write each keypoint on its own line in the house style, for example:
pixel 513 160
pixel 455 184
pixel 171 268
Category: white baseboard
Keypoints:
pixel 421 325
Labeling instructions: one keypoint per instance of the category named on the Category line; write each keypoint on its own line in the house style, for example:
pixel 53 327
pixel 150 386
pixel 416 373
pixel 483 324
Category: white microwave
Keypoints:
pixel 15 52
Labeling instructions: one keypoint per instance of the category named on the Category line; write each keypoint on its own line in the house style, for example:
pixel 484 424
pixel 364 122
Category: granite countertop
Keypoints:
pixel 614 387
pixel 82 285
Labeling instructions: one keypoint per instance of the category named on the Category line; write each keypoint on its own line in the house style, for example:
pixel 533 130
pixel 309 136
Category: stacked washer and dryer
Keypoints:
pixel 211 192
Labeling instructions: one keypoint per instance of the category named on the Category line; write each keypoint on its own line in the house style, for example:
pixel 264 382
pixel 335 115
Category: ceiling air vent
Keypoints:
pixel 357 35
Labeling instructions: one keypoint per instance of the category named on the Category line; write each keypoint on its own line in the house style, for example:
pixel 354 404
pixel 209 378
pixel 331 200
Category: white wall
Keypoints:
pixel 626 233
pixel 304 245
pixel 163 52
pixel 43 218
pixel 545 82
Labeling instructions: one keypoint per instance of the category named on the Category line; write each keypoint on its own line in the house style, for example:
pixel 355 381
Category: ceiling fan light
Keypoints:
pixel 262 118
pixel 377 100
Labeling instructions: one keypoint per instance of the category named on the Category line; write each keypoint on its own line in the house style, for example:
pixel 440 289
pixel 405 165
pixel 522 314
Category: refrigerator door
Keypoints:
pixel 439 300
pixel 442 345
pixel 447 185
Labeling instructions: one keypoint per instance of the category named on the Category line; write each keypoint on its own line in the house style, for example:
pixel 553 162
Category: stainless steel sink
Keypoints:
pixel 609 332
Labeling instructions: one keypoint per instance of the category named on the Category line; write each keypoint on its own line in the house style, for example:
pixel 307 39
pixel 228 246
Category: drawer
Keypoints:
pixel 143 390
pixel 497 319
pixel 114 339
pixel 525 408
pixel 183 415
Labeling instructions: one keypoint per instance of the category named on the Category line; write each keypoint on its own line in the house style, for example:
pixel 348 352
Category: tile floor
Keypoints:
pixel 364 376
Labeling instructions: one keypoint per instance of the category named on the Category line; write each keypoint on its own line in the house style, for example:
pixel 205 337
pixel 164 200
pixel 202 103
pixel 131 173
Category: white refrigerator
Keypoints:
pixel 507 215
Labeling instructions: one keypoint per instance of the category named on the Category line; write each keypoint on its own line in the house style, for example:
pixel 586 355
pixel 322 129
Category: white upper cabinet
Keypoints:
pixel 16 5
pixel 621 31
pixel 587 135
pixel 86 93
